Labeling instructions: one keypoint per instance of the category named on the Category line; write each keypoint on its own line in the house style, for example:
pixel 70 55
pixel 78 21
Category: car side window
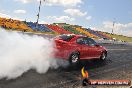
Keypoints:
pixel 80 41
pixel 86 41
pixel 91 42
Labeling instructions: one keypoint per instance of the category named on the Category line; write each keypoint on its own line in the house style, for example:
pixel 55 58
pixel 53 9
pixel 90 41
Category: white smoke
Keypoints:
pixel 20 53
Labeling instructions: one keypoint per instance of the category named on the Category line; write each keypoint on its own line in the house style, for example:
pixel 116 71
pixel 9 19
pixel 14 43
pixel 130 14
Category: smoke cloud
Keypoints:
pixel 21 52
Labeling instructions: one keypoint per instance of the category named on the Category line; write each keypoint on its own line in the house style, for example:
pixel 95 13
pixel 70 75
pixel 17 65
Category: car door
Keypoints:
pixel 83 48
pixel 94 50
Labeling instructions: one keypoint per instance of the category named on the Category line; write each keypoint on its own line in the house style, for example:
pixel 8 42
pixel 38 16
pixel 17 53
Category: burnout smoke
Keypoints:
pixel 20 53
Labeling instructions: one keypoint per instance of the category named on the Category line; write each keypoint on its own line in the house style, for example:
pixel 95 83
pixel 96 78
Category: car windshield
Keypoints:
pixel 66 37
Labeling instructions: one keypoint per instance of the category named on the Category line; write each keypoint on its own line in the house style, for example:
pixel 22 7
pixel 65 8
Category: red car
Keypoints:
pixel 78 47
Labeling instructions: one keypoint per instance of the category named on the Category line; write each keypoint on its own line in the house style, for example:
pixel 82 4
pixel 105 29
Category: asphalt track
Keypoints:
pixel 117 66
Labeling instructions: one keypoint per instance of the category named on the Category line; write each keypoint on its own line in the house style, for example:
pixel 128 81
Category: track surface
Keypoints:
pixel 117 66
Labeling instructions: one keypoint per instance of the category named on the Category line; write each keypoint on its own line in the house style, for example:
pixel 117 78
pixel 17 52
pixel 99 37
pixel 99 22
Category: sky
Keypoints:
pixel 95 14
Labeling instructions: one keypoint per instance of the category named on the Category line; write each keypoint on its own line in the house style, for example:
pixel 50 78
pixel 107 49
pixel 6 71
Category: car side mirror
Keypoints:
pixel 80 42
pixel 97 45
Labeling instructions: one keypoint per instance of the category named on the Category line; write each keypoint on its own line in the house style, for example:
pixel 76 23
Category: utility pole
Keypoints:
pixel 38 13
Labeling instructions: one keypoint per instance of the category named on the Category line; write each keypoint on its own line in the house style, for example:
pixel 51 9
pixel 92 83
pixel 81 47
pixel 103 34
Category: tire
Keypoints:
pixel 74 58
pixel 103 56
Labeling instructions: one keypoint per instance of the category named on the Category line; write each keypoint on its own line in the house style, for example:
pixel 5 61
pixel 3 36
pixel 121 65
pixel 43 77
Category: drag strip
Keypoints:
pixel 118 49
pixel 117 66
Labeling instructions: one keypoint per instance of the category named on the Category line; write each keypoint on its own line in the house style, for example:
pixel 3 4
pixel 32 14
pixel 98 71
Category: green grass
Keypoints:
pixel 119 37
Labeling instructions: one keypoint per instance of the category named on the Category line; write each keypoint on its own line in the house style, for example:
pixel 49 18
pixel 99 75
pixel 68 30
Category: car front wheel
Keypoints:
pixel 103 56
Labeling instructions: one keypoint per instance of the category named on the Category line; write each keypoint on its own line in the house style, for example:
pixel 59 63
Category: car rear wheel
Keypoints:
pixel 103 56
pixel 74 58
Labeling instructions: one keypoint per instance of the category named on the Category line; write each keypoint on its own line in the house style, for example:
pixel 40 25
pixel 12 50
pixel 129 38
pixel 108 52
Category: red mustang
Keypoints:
pixel 78 47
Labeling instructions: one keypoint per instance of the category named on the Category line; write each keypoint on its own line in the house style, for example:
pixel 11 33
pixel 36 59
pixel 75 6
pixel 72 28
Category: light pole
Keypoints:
pixel 113 27
pixel 38 13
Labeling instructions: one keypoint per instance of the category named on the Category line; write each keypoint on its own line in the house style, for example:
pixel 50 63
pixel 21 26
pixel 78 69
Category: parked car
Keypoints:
pixel 74 48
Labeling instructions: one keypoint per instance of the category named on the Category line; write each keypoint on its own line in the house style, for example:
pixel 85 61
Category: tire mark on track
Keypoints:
pixel 74 81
